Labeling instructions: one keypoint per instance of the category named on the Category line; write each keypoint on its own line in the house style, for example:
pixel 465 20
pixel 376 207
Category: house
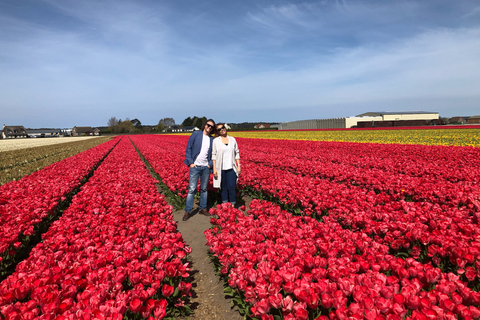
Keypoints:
pixel 181 129
pixel 9 132
pixel 262 126
pixel 474 120
pixel 458 120
pixel 85 131
pixel 190 129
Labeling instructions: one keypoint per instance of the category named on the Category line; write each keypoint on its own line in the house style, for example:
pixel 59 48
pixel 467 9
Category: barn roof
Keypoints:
pixel 382 113
pixel 83 129
pixel 13 128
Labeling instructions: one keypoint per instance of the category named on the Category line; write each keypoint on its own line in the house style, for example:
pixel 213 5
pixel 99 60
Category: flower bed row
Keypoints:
pixel 114 253
pixel 165 162
pixel 447 236
pixel 28 205
pixel 445 175
pixel 289 267
pixel 166 156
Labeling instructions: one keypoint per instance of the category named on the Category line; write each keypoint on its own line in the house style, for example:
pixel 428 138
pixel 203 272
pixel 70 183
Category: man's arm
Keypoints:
pixel 188 152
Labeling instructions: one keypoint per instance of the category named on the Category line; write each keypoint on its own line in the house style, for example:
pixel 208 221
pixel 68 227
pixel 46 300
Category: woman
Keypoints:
pixel 226 164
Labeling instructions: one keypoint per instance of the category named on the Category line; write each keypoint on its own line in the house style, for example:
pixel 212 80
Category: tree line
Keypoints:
pixel 135 126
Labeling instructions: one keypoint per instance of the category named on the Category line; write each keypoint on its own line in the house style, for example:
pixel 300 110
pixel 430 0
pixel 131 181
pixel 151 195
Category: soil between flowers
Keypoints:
pixel 208 300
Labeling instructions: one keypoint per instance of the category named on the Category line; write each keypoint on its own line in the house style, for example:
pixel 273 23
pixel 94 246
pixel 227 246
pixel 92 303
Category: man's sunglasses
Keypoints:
pixel 209 125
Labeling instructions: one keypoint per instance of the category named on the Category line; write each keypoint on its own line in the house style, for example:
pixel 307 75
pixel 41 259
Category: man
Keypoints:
pixel 199 159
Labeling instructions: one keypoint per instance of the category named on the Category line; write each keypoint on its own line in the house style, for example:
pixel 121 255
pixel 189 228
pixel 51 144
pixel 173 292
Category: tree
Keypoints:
pixel 160 126
pixel 200 121
pixel 195 122
pixel 112 122
pixel 187 122
pixel 167 122
pixel 137 123
pixel 125 126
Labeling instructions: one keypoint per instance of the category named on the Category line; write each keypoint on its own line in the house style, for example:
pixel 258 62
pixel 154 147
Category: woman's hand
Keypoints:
pixel 215 174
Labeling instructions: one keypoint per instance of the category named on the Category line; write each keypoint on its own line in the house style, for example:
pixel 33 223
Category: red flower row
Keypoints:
pixel 297 267
pixel 422 228
pixel 166 154
pixel 26 202
pixel 437 174
pixel 166 159
pixel 114 251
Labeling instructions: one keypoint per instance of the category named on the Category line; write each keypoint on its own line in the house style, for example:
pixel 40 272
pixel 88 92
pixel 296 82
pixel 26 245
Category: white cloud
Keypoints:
pixel 434 65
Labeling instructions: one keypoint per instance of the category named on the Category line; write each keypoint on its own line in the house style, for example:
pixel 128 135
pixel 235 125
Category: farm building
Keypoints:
pixel 9 132
pixel 474 120
pixel 181 129
pixel 368 119
pixel 85 131
pixel 458 120
pixel 397 116
pixel 43 133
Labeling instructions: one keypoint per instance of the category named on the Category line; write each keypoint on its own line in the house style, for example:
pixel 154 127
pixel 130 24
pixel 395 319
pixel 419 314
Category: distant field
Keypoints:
pixel 424 136
pixel 20 157
pixel 446 136
pixel 22 143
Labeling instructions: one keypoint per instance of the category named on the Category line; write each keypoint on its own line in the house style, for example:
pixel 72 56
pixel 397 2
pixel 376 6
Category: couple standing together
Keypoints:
pixel 205 153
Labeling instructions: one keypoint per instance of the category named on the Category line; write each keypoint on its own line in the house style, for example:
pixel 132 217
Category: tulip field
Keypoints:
pixel 446 135
pixel 114 253
pixel 335 230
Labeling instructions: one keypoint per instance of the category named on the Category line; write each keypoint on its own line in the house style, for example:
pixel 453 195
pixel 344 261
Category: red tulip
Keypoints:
pixel 159 312
pixel 261 307
pixel 135 305
pixel 300 311
pixel 287 304
pixel 167 290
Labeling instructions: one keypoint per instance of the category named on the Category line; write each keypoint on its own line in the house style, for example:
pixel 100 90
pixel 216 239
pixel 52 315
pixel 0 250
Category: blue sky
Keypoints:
pixel 71 62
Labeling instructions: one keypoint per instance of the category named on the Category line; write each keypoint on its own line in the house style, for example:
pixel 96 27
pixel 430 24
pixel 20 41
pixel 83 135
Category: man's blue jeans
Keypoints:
pixel 202 172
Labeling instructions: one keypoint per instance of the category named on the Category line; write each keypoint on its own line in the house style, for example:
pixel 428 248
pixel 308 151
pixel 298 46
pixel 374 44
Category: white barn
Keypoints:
pixel 349 122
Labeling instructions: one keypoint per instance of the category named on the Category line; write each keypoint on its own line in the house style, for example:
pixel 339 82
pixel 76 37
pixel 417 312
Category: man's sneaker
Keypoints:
pixel 186 216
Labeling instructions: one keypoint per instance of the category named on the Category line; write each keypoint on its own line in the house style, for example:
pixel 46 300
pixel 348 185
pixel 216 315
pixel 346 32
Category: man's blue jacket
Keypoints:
pixel 194 146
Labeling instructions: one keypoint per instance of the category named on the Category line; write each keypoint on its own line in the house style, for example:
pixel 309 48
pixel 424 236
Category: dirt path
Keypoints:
pixel 208 301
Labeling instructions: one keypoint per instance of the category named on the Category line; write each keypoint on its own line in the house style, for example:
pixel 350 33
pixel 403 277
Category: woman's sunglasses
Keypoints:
pixel 221 128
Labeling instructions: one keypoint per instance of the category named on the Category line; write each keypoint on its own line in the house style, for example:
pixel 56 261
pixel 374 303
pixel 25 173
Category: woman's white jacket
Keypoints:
pixel 217 155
